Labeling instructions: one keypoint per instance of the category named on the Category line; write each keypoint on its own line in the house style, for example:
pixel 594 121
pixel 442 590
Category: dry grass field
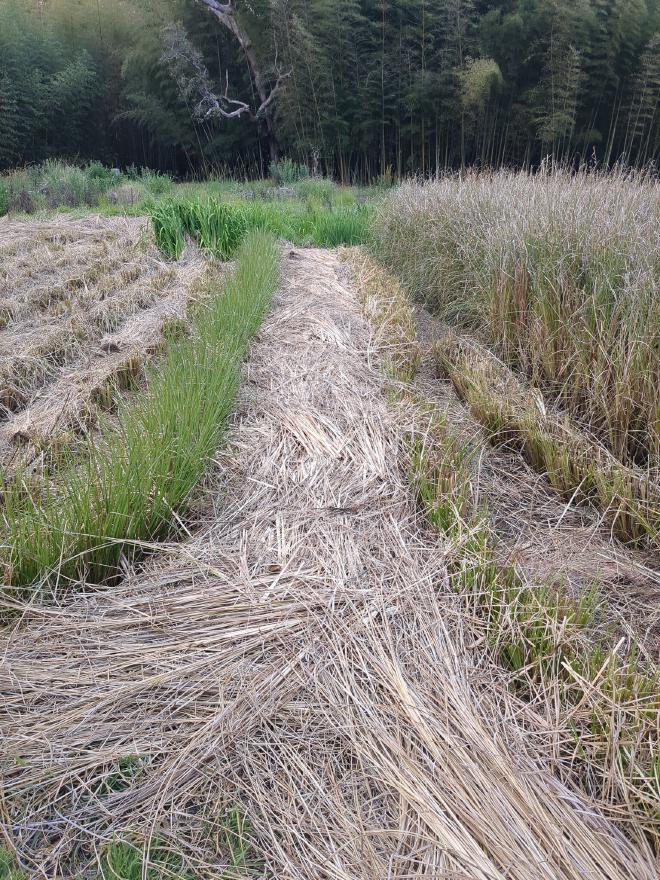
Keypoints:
pixel 84 304
pixel 302 580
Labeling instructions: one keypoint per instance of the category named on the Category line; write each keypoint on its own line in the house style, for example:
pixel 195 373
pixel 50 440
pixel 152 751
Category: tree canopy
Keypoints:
pixel 362 88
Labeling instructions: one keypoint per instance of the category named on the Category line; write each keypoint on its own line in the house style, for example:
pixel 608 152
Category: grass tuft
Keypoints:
pixel 219 227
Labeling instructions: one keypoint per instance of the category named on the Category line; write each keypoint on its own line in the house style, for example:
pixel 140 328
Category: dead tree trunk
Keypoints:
pixel 226 15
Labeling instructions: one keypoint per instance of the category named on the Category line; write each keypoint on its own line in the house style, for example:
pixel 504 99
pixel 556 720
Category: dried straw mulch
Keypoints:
pixel 301 659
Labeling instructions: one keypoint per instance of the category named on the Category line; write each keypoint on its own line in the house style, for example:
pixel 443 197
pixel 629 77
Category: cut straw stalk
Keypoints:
pixel 129 485
pixel 575 465
pixel 303 656
pixel 602 707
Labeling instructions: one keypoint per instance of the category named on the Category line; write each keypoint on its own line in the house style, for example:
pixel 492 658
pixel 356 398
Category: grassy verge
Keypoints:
pixel 219 227
pixel 598 707
pixel 560 273
pixel 575 465
pixel 129 485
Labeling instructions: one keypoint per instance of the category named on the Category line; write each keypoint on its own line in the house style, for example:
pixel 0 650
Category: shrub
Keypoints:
pixel 98 171
pixel 55 184
pixel 156 183
pixel 287 172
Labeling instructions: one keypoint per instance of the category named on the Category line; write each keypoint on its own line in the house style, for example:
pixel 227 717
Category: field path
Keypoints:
pixel 301 658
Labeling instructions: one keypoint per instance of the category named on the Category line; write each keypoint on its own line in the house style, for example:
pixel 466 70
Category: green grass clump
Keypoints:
pixel 8 869
pixel 219 227
pixel 123 861
pixel 54 184
pixel 560 273
pixel 129 485
pixel 4 199
pixel 287 172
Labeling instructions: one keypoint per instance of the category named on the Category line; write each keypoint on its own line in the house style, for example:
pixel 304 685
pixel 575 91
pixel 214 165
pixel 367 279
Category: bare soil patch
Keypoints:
pixel 83 305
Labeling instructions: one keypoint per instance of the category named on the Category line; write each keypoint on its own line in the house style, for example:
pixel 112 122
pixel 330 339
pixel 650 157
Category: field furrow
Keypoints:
pixel 86 305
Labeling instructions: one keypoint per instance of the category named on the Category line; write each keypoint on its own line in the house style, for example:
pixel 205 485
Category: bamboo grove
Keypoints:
pixel 370 89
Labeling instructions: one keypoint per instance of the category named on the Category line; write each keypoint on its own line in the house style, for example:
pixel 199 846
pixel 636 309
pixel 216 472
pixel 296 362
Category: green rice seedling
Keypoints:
pixel 342 226
pixel 168 229
pixel 219 227
pixel 129 485
pixel 8 868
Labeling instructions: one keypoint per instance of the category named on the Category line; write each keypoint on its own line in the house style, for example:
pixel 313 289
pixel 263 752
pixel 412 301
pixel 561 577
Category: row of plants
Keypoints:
pixel 219 227
pixel 55 184
pixel 600 705
pixel 574 464
pixel 128 486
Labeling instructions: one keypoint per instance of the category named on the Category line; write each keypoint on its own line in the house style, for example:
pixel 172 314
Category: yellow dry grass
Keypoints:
pixel 302 660
pixel 84 304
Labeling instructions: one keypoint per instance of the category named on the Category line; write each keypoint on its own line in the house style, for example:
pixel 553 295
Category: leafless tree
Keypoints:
pixel 221 105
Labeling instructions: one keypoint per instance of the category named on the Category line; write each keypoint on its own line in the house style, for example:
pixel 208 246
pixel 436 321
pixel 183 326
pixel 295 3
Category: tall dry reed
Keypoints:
pixel 560 272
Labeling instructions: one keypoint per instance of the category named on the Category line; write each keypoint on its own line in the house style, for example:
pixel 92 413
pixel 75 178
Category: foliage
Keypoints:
pixel 54 184
pixel 8 869
pixel 131 482
pixel 377 90
pixel 219 227
pixel 287 172
pixel 4 199
pixel 123 861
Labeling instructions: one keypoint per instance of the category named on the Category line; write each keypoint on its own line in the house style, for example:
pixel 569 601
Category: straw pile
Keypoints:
pixel 83 304
pixel 301 660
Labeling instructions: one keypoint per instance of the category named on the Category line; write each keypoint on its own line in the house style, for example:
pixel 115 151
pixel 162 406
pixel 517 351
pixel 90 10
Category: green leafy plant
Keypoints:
pixel 287 172
pixel 129 484
pixel 124 861
pixel 8 869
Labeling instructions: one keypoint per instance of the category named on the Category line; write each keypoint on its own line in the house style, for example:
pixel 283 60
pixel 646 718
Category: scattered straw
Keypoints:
pixel 302 660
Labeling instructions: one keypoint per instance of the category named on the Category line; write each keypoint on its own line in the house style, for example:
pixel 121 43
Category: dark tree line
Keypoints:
pixel 359 88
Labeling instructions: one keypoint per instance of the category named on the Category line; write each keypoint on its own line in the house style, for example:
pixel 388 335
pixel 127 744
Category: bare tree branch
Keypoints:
pixel 226 15
pixel 187 67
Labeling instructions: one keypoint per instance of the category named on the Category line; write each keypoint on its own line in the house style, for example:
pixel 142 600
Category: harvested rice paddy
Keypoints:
pixel 302 580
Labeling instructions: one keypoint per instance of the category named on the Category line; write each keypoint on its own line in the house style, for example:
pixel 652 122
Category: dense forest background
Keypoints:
pixel 367 88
